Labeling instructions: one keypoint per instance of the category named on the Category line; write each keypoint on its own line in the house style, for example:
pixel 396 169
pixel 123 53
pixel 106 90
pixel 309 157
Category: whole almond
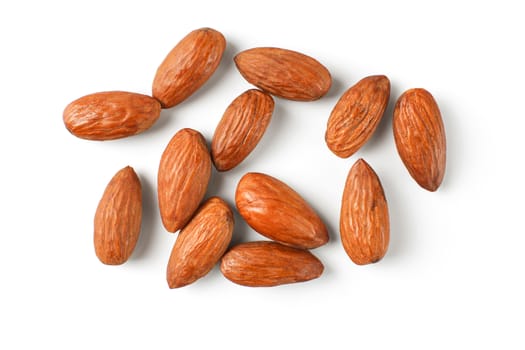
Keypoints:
pixel 118 218
pixel 182 179
pixel 201 243
pixel 276 211
pixel 110 115
pixel 356 115
pixel 188 66
pixel 364 222
pixel 242 126
pixel 420 137
pixel 266 264
pixel 284 73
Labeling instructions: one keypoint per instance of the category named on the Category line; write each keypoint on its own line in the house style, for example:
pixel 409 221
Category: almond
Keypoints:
pixel 420 137
pixel 266 264
pixel 284 73
pixel 356 115
pixel 276 211
pixel 110 115
pixel 364 222
pixel 201 243
pixel 183 176
pixel 188 66
pixel 118 218
pixel 242 126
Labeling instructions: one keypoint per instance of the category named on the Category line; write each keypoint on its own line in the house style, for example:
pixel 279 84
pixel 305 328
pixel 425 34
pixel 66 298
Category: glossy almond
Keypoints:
pixel 276 211
pixel 420 137
pixel 118 218
pixel 356 115
pixel 242 126
pixel 284 73
pixel 266 264
pixel 364 222
pixel 183 176
pixel 188 66
pixel 110 115
pixel 201 243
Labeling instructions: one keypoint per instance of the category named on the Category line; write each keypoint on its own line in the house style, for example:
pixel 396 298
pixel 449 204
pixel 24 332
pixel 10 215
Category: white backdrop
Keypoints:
pixel 453 276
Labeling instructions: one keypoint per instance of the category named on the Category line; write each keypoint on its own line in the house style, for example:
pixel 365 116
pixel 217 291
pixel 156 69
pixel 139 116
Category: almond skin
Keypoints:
pixel 183 176
pixel 356 115
pixel 419 134
pixel 188 66
pixel 284 73
pixel 118 218
pixel 201 243
pixel 364 222
pixel 110 115
pixel 242 126
pixel 276 211
pixel 266 264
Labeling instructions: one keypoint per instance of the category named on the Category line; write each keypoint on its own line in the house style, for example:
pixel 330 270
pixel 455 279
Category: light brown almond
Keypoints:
pixel 188 66
pixel 118 218
pixel 266 264
pixel 356 115
pixel 420 137
pixel 276 211
pixel 364 222
pixel 110 115
pixel 242 126
pixel 201 243
pixel 183 176
pixel 284 73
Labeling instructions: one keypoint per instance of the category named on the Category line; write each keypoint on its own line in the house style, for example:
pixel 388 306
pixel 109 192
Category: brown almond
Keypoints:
pixel 420 137
pixel 118 218
pixel 356 115
pixel 284 73
pixel 364 222
pixel 276 211
pixel 201 243
pixel 111 115
pixel 183 176
pixel 188 66
pixel 242 126
pixel 266 264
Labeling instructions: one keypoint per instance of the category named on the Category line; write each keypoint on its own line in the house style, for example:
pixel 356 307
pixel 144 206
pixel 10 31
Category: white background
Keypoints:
pixel 453 275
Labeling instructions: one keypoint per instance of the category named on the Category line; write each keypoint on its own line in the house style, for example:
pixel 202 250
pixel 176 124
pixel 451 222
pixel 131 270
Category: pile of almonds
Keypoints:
pixel 268 205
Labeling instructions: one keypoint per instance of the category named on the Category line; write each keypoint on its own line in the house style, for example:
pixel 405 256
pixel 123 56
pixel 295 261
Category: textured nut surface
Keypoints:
pixel 364 222
pixel 284 73
pixel 182 179
pixel 242 126
pixel 201 243
pixel 188 66
pixel 118 218
pixel 265 264
pixel 110 115
pixel 276 211
pixel 356 115
pixel 420 137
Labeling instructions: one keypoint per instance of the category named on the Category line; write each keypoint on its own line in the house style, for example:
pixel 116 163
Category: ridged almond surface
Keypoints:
pixel 188 66
pixel 356 115
pixel 118 218
pixel 419 134
pixel 110 115
pixel 266 264
pixel 182 179
pixel 242 126
pixel 284 73
pixel 364 222
pixel 201 243
pixel 276 211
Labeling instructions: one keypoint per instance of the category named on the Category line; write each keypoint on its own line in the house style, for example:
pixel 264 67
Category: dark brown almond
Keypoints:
pixel 266 264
